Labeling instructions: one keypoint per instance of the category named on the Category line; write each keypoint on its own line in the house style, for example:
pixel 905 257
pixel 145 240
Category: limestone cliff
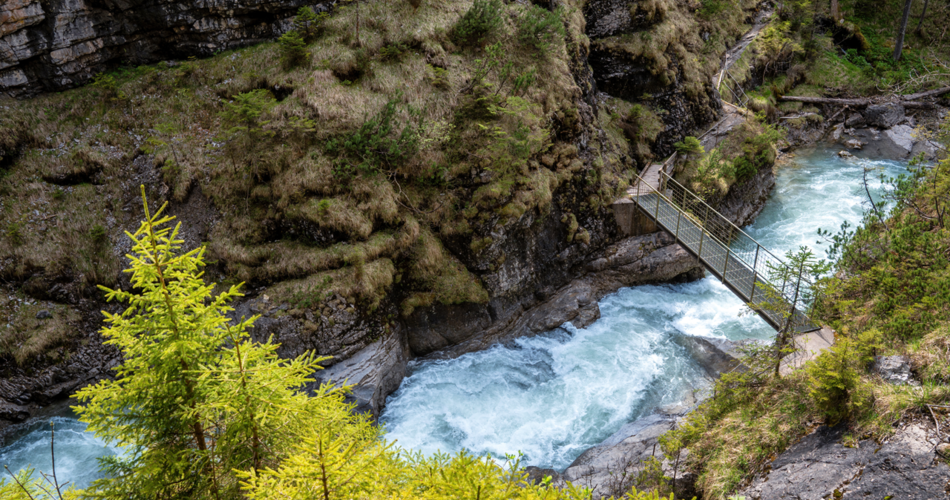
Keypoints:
pixel 501 226
pixel 58 44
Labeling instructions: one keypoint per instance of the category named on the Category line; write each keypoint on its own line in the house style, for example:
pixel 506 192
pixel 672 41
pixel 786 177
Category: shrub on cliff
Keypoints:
pixel 293 49
pixel 539 27
pixel 479 22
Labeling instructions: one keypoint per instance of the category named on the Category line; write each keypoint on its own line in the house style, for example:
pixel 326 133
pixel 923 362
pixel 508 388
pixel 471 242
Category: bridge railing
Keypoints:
pixel 751 270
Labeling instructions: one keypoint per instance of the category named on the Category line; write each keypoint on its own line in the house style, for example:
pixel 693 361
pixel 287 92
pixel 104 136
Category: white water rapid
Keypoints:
pixel 554 395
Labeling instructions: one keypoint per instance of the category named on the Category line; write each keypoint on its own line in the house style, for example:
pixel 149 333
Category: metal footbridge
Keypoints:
pixel 777 292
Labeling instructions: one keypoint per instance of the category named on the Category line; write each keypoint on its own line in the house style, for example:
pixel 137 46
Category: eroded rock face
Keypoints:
pixel 450 331
pixel 687 97
pixel 57 44
pixel 819 466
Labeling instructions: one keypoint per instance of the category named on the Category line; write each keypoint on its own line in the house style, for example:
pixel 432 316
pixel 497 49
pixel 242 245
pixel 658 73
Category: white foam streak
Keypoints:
pixel 555 395
pixel 76 452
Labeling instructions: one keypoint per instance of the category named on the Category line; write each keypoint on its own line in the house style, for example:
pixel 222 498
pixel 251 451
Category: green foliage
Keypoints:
pixel 194 399
pixel 14 232
pixel 710 8
pixel 24 485
pixel 479 23
pixel 689 146
pixel 832 378
pixel 97 234
pixel 384 141
pixel 539 27
pixel 758 151
pixel 308 23
pixel 108 85
pixel 439 77
pixel 370 469
pixel 245 110
pixel 393 51
pixel 293 49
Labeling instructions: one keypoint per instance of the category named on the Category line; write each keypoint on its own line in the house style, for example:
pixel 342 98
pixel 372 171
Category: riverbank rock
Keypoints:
pixel 13 413
pixel 715 356
pixel 375 371
pixel 623 460
pixel 884 115
pixel 894 369
pixel 820 466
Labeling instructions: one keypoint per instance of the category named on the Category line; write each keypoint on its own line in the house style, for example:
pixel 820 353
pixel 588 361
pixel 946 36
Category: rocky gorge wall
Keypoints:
pixel 537 275
pixel 58 44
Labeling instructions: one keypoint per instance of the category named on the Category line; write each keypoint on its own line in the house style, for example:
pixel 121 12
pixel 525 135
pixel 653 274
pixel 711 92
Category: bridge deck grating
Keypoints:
pixel 729 267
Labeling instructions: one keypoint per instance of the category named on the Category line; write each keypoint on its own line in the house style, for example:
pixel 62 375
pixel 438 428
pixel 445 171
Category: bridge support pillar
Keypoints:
pixel 631 221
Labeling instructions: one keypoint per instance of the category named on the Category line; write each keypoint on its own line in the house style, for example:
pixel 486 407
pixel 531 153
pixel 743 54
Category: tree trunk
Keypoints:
pixel 922 14
pixel 835 12
pixel 899 44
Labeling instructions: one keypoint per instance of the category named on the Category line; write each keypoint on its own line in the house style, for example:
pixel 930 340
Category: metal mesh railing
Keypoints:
pixel 779 293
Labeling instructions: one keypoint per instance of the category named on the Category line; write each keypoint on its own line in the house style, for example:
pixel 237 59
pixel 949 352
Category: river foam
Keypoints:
pixel 554 395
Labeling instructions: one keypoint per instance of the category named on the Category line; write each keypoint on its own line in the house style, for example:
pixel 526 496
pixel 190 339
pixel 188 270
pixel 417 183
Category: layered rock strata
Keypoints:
pixel 54 45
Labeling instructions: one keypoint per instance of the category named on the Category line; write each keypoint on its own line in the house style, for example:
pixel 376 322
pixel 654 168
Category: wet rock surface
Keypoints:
pixel 632 261
pixel 820 466
pixel 745 200
pixel 46 46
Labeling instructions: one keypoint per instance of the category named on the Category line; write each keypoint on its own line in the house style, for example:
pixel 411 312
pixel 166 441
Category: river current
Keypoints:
pixel 554 395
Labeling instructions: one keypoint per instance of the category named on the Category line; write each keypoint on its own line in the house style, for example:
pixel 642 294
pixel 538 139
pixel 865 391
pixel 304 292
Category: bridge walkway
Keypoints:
pixel 780 295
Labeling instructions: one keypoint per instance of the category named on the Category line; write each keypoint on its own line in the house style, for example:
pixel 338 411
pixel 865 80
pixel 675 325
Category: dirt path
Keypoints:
pixel 732 55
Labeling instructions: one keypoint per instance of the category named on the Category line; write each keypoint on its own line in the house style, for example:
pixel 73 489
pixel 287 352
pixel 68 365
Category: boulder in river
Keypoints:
pixel 902 136
pixel 884 115
pixel 715 356
pixel 853 144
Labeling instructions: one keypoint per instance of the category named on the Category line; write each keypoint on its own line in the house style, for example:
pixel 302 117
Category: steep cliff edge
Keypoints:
pixel 55 45
pixel 473 232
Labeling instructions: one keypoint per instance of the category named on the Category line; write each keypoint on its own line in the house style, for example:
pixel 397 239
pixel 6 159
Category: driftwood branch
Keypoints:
pixel 858 103
pixel 929 93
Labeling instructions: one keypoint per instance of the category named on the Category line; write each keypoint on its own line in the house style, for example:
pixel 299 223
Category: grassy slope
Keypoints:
pixel 288 221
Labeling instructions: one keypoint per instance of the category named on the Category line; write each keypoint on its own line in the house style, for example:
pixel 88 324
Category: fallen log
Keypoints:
pixel 858 103
pixel 826 100
pixel 924 95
